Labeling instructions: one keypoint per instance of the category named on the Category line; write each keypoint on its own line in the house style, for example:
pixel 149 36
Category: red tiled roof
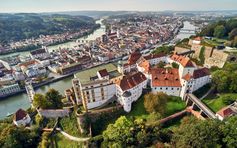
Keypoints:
pixel 201 73
pixel 225 112
pixel 145 64
pixel 187 77
pixel 165 77
pixel 134 57
pixel 20 114
pixel 184 61
pixel 130 81
pixel 154 56
pixel 103 72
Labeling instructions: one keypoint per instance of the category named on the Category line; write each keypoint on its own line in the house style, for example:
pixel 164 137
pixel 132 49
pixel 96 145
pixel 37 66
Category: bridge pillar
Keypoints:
pixel 202 113
pixel 195 107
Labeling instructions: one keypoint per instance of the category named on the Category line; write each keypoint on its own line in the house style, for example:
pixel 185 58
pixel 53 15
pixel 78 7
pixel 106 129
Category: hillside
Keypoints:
pixel 15 27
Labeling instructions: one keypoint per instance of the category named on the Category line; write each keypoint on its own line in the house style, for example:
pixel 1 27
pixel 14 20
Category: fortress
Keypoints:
pixel 125 83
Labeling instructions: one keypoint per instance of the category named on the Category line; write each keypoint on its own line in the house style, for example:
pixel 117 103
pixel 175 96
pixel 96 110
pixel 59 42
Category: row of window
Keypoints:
pixel 156 88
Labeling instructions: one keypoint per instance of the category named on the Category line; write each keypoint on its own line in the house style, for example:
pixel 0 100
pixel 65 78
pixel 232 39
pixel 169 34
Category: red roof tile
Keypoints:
pixel 184 61
pixel 134 57
pixel 20 114
pixel 103 72
pixel 145 64
pixel 130 81
pixel 187 77
pixel 225 112
pixel 165 77
pixel 201 73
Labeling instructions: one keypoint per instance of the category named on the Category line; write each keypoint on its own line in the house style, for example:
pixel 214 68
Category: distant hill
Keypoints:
pixel 94 14
pixel 15 27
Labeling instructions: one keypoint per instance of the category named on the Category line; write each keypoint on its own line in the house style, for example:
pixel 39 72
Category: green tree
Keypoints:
pixel 54 97
pixel 233 34
pixel 41 102
pixel 197 133
pixel 221 80
pixel 161 64
pixel 230 132
pixel 18 137
pixel 219 31
pixel 126 133
pixel 175 65
pixel 156 102
pixel 120 132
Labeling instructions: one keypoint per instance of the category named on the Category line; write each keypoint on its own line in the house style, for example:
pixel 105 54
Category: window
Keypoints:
pixel 161 88
pixel 177 88
pixel 166 88
pixel 172 88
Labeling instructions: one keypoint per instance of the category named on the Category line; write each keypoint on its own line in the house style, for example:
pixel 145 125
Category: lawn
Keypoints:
pixel 69 125
pixel 174 105
pixel 218 102
pixel 59 141
pixel 138 109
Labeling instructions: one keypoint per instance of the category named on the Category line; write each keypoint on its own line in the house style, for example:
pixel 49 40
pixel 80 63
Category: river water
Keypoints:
pixel 13 103
pixel 189 26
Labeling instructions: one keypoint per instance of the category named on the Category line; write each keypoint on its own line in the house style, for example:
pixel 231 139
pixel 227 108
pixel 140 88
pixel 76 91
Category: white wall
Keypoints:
pixel 173 91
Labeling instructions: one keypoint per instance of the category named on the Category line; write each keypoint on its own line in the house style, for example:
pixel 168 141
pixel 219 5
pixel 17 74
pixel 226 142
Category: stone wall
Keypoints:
pixel 218 59
pixel 178 50
pixel 51 113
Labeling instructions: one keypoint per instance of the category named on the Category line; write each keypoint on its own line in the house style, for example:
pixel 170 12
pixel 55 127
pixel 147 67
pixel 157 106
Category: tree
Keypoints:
pixel 41 102
pixel 54 97
pixel 233 34
pixel 197 133
pixel 119 132
pixel 51 100
pixel 175 65
pixel 156 102
pixel 161 64
pixel 125 133
pixel 219 31
pixel 221 80
pixel 18 137
pixel 230 132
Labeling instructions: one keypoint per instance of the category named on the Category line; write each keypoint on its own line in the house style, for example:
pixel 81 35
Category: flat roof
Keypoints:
pixel 86 75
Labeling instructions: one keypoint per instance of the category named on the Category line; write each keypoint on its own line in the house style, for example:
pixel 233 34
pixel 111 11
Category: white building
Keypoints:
pixel 166 81
pixel 9 89
pixel 130 88
pixel 21 118
pixel 95 87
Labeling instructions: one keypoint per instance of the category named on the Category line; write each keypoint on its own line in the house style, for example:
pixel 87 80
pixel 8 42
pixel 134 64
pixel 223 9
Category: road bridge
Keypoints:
pixel 197 105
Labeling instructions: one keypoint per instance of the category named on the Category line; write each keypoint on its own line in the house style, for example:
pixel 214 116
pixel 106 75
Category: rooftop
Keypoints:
pixel 86 75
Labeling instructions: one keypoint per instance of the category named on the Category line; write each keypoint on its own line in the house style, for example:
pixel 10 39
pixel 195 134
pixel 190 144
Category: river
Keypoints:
pixel 189 26
pixel 13 103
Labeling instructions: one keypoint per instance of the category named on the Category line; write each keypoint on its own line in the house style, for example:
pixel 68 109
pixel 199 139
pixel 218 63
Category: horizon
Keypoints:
pixel 44 6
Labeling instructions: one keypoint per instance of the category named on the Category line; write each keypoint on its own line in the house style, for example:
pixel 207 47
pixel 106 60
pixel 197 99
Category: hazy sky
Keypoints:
pixel 141 5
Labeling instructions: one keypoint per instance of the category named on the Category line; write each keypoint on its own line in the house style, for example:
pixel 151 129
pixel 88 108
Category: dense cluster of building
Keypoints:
pixel 125 83
pixel 119 40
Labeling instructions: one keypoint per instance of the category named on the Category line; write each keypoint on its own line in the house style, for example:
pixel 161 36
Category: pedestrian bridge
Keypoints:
pixel 197 105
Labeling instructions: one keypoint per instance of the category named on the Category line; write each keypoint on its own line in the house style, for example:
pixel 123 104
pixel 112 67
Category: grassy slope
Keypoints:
pixel 217 102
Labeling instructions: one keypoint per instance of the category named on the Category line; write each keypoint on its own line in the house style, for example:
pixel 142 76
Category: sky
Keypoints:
pixel 114 5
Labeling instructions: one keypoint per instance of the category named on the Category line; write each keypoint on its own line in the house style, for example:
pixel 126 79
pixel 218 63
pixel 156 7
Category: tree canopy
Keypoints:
pixel 208 133
pixel 51 100
pixel 156 102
